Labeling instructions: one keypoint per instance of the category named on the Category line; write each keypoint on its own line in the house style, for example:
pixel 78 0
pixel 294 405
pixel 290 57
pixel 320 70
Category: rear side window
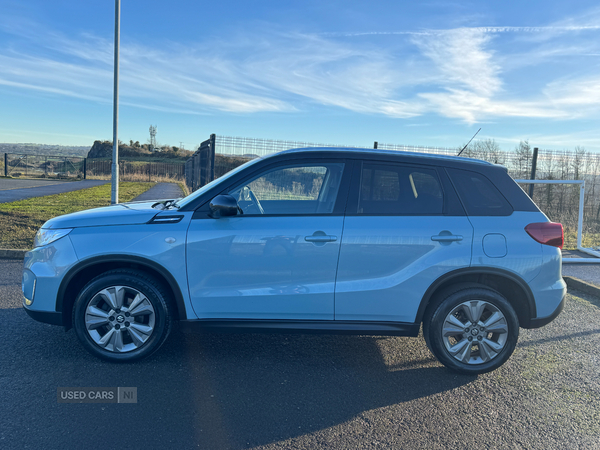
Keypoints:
pixel 479 195
pixel 400 190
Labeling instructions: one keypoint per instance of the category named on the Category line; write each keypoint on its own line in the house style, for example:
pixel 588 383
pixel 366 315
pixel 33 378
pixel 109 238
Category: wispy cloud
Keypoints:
pixel 461 58
pixel 473 88
pixel 587 139
pixel 464 73
pixel 432 32
pixel 578 93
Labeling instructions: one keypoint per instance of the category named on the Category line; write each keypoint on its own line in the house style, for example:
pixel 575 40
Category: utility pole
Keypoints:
pixel 114 190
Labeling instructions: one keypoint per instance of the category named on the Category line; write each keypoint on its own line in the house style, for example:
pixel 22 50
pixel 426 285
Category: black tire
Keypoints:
pixel 114 333
pixel 482 345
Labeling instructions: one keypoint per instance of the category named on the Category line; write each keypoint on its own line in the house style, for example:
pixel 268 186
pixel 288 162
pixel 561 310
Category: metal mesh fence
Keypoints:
pixel 551 163
pixel 559 202
pixel 418 148
pixel 137 170
pixel 253 147
pixel 43 166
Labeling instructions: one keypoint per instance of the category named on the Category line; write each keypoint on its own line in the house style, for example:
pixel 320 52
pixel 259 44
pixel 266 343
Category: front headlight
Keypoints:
pixel 45 237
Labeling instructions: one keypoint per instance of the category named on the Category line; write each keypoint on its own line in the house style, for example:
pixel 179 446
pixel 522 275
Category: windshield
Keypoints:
pixel 184 201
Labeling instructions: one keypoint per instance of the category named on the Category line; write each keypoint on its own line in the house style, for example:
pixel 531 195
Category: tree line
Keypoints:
pixel 560 202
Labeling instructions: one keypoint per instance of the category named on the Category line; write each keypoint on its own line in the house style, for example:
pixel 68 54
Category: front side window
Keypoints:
pixel 400 190
pixel 294 189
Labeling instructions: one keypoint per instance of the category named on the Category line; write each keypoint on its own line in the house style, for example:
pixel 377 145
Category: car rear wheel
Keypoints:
pixel 122 315
pixel 471 329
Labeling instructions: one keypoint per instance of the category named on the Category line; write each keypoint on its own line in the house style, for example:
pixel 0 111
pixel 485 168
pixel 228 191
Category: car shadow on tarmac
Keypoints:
pixel 213 389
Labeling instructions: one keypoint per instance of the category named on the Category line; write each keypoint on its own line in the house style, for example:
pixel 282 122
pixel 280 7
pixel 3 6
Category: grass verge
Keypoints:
pixel 589 239
pixel 19 221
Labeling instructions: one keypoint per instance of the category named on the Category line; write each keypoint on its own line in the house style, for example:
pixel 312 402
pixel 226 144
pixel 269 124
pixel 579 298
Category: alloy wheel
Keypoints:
pixel 120 319
pixel 475 332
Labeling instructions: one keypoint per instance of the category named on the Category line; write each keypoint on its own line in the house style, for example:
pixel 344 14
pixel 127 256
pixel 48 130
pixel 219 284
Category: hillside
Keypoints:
pixel 43 149
pixel 103 150
pixel 100 150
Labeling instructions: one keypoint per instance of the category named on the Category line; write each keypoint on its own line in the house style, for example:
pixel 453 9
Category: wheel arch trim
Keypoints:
pixel 478 272
pixel 127 259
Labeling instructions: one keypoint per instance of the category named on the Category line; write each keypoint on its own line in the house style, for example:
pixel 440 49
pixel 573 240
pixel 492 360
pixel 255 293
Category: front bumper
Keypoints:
pixel 51 317
pixel 43 271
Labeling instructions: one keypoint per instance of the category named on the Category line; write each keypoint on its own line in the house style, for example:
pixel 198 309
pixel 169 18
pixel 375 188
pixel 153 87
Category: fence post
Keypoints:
pixel 533 168
pixel 193 188
pixel 211 157
pixel 46 167
pixel 6 164
pixel 375 145
pixel 25 166
pixel 84 168
pixel 580 217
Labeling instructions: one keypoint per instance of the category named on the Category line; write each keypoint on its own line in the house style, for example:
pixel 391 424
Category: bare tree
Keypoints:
pixel 523 158
pixel 486 149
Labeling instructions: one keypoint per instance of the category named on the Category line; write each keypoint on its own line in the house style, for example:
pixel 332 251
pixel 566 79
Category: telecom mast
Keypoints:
pixel 153 138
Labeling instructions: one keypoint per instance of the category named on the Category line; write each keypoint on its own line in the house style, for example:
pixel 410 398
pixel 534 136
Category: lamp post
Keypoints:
pixel 114 191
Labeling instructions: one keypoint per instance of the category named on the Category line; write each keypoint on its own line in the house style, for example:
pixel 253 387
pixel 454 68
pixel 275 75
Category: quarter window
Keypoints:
pixel 480 197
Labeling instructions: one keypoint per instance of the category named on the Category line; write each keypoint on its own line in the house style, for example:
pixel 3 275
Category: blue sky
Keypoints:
pixel 340 72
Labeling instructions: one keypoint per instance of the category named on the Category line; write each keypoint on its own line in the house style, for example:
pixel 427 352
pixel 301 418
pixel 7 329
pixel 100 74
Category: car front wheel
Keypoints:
pixel 122 315
pixel 471 329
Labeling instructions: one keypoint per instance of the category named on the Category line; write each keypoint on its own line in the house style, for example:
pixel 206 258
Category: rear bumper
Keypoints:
pixel 541 321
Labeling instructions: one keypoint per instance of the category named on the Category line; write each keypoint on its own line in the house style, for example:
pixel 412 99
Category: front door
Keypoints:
pixel 278 259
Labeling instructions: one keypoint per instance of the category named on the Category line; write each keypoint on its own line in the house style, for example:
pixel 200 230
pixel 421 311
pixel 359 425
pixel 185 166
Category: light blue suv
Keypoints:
pixel 310 240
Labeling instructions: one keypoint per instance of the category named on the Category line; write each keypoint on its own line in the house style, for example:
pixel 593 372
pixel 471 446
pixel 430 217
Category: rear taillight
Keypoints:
pixel 547 233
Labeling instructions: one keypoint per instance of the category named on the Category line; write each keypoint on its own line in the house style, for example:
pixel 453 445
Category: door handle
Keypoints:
pixel 446 238
pixel 320 238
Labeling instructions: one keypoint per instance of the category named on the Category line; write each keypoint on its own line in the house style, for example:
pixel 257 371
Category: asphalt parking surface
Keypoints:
pixel 589 273
pixel 220 391
pixel 7 184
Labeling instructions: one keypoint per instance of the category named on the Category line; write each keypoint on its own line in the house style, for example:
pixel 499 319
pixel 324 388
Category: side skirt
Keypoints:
pixel 301 326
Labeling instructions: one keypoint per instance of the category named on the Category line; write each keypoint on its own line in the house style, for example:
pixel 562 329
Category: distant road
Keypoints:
pixel 13 190
pixel 161 191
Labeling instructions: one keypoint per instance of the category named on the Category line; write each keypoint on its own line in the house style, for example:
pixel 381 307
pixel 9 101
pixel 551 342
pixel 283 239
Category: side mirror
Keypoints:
pixel 223 206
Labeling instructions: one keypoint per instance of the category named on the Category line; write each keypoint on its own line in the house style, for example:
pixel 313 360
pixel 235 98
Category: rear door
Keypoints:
pixel 404 228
